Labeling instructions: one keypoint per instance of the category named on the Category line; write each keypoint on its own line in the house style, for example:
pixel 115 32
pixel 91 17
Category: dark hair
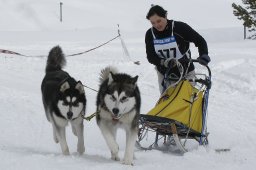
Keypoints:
pixel 158 10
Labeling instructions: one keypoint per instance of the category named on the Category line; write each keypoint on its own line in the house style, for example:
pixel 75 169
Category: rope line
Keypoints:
pixel 19 54
pixel 94 47
pixel 90 88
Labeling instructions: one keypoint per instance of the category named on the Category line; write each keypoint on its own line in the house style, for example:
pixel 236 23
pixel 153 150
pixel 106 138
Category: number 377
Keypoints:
pixel 168 53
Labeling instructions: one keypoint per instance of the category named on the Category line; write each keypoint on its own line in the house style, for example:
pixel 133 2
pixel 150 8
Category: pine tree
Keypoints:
pixel 247 14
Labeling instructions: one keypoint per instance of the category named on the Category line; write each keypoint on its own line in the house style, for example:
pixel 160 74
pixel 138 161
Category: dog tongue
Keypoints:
pixel 115 118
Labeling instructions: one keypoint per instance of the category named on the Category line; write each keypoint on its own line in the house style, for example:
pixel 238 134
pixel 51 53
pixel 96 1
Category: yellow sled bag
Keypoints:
pixel 182 103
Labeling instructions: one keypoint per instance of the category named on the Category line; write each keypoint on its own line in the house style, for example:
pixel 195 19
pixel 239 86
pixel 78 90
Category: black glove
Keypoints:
pixel 169 62
pixel 204 59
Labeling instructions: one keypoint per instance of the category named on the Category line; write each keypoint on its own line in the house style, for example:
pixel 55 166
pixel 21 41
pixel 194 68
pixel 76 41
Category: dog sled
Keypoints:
pixel 179 115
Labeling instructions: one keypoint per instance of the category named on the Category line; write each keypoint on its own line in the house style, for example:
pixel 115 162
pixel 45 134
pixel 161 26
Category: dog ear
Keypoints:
pixel 111 77
pixel 80 87
pixel 134 80
pixel 64 86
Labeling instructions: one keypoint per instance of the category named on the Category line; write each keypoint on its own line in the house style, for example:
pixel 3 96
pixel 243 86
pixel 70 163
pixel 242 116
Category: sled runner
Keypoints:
pixel 180 114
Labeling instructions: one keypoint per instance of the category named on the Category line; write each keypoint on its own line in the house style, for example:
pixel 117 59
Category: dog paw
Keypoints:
pixel 66 152
pixel 127 162
pixel 55 139
pixel 81 150
pixel 115 158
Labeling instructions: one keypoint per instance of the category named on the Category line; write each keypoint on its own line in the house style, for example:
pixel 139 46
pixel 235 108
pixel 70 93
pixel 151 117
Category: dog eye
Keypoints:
pixel 75 104
pixel 123 99
pixel 65 103
pixel 113 98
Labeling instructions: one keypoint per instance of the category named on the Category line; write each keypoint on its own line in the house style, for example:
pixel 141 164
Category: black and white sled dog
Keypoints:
pixel 118 106
pixel 64 101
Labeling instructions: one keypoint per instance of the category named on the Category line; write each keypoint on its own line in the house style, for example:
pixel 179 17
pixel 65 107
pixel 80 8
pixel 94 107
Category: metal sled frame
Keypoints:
pixel 173 131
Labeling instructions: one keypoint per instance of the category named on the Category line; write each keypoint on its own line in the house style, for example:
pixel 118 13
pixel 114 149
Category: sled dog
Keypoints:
pixel 118 106
pixel 64 101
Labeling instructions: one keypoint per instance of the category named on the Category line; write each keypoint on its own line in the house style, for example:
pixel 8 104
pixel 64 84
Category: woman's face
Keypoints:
pixel 158 22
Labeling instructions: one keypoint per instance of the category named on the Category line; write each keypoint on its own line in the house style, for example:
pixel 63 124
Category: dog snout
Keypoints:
pixel 115 111
pixel 69 114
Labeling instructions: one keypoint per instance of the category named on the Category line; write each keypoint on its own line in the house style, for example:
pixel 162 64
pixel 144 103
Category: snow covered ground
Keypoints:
pixel 32 28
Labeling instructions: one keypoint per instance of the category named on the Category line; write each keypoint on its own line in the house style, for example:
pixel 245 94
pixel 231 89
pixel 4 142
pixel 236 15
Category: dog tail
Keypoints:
pixel 105 73
pixel 56 59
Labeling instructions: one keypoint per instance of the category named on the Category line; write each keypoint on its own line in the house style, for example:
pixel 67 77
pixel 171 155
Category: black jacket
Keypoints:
pixel 184 34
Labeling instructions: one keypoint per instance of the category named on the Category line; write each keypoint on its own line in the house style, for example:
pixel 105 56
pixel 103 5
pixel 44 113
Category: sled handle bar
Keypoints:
pixel 208 68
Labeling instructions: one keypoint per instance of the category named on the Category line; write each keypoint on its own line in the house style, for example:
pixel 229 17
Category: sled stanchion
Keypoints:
pixel 207 67
pixel 177 139
pixel 173 128
pixel 156 140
